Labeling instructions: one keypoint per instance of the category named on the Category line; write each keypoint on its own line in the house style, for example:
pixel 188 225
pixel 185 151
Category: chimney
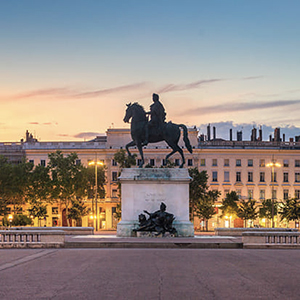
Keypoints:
pixel 27 136
pixel 208 132
pixel 253 135
pixel 230 134
pixel 260 134
pixel 277 134
pixel 239 136
pixel 214 132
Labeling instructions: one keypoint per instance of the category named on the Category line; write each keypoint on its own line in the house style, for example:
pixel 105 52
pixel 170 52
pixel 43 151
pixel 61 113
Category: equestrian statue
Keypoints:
pixel 155 130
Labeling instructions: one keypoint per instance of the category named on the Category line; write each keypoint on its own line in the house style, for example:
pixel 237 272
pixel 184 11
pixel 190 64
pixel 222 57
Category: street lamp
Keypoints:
pixel 273 164
pixel 10 218
pixel 96 164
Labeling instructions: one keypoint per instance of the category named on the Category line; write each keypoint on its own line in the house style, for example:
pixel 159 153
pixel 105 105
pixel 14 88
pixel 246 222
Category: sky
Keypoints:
pixel 69 67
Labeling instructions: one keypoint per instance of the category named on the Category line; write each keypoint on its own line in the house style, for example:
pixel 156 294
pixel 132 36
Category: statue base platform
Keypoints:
pixel 154 234
pixel 145 189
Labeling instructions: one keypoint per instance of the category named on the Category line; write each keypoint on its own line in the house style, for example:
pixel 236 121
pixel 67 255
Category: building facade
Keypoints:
pixel 240 166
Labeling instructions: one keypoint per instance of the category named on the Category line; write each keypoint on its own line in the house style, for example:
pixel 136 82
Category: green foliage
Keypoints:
pixel 3 207
pixel 38 210
pixel 18 220
pixel 90 180
pixel 13 182
pixel 68 179
pixel 39 185
pixel 201 199
pixel 78 210
pixel 247 210
pixel 123 160
pixel 229 205
pixel 148 166
pixel 118 213
pixel 197 188
pixel 169 164
pixel 66 176
pixel 290 210
pixel 205 207
pixel 266 210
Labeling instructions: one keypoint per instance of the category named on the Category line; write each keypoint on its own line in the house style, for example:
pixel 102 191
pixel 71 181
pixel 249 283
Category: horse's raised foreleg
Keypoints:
pixel 131 144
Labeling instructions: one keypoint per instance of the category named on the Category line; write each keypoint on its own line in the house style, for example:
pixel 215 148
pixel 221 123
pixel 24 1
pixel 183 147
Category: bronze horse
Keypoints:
pixel 170 133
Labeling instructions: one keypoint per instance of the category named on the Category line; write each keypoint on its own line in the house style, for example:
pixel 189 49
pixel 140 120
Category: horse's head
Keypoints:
pixel 134 111
pixel 128 113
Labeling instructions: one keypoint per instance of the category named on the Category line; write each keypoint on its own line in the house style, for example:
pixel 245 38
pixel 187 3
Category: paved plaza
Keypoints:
pixel 149 274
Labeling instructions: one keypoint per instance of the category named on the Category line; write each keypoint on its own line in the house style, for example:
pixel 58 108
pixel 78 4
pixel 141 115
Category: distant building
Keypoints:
pixel 239 166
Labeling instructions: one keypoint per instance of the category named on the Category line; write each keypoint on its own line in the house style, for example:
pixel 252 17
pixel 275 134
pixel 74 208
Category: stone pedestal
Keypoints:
pixel 145 189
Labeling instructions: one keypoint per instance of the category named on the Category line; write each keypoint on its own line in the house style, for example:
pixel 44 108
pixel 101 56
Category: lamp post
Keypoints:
pixel 273 164
pixel 96 163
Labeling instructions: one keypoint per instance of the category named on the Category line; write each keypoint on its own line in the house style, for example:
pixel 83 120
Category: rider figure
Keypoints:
pixel 158 117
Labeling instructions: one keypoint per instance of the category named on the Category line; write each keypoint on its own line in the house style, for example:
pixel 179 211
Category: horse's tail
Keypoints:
pixel 185 138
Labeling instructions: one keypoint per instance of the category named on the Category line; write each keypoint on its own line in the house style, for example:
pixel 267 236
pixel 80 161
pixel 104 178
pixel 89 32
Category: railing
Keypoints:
pixel 9 237
pixel 66 230
pixel 31 239
pixel 239 231
pixel 271 239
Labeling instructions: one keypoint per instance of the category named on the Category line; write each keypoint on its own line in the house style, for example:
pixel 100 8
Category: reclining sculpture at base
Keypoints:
pixel 160 221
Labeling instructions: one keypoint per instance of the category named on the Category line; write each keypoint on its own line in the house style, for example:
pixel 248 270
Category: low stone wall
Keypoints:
pixel 281 240
pixel 240 231
pixel 32 239
pixel 66 230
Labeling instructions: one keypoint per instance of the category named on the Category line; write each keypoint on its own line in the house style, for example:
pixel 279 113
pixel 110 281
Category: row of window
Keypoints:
pixel 226 161
pixel 238 162
pixel 43 162
pixel 262 194
pixel 238 176
pixel 114 163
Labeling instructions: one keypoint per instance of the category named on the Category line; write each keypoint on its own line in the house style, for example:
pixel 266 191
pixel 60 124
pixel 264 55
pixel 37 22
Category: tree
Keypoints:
pixel 124 161
pixel 68 179
pixel 38 210
pixel 229 205
pixel 266 210
pixel 77 211
pixel 18 220
pixel 198 189
pixel 39 192
pixel 5 176
pixel 247 210
pixel 204 208
pixel 13 183
pixel 290 210
pixel 169 164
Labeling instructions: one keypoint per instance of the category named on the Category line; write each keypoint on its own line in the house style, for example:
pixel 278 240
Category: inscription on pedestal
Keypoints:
pixel 155 197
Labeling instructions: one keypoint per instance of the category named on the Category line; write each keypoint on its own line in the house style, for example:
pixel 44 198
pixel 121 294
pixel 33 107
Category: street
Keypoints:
pixel 149 274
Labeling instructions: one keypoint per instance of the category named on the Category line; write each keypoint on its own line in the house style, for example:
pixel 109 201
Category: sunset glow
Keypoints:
pixel 69 67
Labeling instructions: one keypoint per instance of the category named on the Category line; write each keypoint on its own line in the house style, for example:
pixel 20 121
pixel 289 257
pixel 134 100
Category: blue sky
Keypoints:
pixel 69 67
